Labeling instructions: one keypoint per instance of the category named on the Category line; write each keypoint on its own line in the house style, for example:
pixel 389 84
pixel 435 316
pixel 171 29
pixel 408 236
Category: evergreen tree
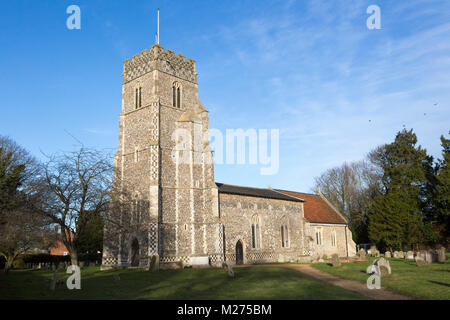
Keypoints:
pixel 441 199
pixel 90 239
pixel 395 217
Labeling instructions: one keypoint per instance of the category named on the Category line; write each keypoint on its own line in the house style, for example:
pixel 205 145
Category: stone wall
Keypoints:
pixel 343 246
pixel 237 213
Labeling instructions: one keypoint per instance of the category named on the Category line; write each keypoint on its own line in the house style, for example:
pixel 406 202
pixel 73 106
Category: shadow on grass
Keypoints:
pixel 213 283
pixel 439 283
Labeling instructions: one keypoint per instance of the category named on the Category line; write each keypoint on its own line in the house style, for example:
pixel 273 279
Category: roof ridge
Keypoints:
pixel 235 185
pixel 311 194
pixel 289 195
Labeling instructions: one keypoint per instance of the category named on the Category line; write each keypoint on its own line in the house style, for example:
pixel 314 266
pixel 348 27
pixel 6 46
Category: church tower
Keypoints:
pixel 164 167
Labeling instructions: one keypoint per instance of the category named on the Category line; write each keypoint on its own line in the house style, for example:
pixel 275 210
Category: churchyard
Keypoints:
pixel 420 281
pixel 254 282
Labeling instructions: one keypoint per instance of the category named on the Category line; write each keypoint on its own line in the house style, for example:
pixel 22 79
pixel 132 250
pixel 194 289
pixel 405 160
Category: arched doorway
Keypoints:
pixel 239 253
pixel 135 253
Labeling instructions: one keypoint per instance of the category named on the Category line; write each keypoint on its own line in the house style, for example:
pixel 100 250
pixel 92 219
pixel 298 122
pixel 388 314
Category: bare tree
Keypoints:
pixel 77 185
pixel 351 188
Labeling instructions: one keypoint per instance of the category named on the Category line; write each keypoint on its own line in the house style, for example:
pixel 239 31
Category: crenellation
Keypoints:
pixel 166 61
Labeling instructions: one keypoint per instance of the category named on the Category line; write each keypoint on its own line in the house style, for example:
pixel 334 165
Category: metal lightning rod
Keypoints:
pixel 157 30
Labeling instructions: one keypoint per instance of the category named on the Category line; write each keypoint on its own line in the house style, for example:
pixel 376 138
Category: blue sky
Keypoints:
pixel 311 69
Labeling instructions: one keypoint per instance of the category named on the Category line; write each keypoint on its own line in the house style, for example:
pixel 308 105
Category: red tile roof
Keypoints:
pixel 317 210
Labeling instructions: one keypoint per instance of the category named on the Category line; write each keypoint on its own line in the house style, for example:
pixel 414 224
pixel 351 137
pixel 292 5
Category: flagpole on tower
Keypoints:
pixel 157 30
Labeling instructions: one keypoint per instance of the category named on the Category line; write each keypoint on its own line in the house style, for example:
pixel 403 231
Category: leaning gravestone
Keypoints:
pixel 230 271
pixel 387 254
pixel 54 279
pixel 380 266
pixel 409 255
pixel 383 265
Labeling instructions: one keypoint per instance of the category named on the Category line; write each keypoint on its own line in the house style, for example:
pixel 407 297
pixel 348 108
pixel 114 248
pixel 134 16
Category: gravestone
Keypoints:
pixel 420 261
pixel 383 265
pixel 409 255
pixel 116 277
pixel 425 256
pixel 199 262
pixel 434 256
pixel 335 261
pixel 380 266
pixel 373 252
pixel 362 253
pixel 230 271
pixel 441 255
pixel 54 279
pixel 152 264
pixel 387 254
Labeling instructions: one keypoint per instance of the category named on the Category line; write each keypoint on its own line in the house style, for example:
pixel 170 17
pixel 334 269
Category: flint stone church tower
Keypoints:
pixel 175 212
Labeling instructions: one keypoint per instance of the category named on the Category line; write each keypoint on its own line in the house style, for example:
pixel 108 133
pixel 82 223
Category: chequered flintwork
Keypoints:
pixel 188 215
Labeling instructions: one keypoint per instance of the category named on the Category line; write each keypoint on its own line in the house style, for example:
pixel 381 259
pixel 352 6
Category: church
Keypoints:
pixel 180 216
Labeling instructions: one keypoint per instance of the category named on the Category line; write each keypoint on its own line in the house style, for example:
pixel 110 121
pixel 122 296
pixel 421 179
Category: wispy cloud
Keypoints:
pixel 335 88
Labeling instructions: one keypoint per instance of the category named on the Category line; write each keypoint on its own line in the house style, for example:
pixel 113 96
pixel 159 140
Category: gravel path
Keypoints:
pixel 351 285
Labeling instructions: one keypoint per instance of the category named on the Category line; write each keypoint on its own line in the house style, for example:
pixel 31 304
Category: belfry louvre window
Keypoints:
pixel 176 95
pixel 138 98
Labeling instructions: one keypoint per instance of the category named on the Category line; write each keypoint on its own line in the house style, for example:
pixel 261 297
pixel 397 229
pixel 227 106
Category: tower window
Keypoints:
pixel 176 95
pixel 138 98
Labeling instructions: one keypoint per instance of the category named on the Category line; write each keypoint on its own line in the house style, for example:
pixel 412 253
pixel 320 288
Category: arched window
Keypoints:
pixel 136 210
pixel 333 238
pixel 256 232
pixel 138 97
pixel 319 236
pixel 140 209
pixel 176 95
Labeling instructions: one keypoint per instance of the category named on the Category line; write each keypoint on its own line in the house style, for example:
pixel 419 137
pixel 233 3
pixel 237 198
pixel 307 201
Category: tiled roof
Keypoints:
pixel 317 210
pixel 255 192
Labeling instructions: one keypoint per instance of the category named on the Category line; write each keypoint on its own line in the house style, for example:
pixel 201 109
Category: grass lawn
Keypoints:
pixel 256 282
pixel 429 282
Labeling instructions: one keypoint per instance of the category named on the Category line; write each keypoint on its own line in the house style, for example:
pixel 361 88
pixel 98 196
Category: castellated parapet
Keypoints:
pixel 158 59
